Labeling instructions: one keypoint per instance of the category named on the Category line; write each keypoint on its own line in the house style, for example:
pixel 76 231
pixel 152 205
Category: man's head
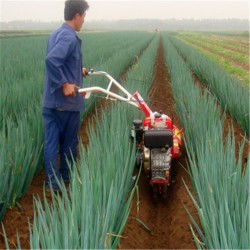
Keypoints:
pixel 74 12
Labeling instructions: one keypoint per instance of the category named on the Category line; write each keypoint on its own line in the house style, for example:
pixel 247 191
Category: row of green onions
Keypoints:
pixel 219 177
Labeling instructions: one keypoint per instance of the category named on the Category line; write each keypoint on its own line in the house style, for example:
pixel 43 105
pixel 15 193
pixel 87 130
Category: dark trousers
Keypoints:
pixel 61 133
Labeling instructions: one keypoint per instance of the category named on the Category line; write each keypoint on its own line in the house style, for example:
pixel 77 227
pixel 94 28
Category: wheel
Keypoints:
pixel 138 161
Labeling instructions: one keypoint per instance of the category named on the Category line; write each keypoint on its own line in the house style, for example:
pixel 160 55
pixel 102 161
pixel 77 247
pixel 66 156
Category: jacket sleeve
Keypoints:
pixel 55 60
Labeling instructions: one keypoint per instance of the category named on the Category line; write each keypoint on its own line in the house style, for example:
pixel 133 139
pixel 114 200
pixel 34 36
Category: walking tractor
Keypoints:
pixel 158 140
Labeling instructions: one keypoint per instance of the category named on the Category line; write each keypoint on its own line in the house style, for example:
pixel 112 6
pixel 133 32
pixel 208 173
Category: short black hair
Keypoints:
pixel 73 7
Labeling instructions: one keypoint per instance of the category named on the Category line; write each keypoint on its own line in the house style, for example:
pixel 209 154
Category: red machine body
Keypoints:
pixel 157 122
pixel 159 146
pixel 160 121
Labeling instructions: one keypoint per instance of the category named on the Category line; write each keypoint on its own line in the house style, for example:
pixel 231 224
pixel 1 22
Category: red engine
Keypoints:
pixel 158 141
pixel 159 121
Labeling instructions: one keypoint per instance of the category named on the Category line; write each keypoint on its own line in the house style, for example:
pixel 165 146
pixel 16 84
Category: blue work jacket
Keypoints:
pixel 63 64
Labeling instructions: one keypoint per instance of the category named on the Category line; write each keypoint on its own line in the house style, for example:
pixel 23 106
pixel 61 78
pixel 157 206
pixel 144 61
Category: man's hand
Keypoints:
pixel 69 89
pixel 84 72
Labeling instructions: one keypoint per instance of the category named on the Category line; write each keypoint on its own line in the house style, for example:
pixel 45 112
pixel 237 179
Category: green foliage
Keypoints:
pixel 231 53
pixel 230 93
pixel 221 187
pixel 21 131
pixel 93 213
pixel 113 53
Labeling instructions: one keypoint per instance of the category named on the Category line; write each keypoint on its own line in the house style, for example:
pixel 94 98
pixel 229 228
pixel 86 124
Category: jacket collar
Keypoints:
pixel 66 26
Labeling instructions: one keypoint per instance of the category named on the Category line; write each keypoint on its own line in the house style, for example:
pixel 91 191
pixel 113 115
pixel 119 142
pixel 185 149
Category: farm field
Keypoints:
pixel 147 67
pixel 230 50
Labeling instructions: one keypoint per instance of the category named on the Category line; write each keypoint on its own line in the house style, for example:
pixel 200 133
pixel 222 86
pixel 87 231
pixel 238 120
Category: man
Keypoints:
pixel 61 102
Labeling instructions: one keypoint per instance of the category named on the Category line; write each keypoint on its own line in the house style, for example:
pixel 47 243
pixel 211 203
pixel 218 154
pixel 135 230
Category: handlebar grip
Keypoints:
pixel 90 71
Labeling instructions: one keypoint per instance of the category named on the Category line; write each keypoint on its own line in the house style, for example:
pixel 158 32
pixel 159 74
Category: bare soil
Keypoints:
pixel 167 222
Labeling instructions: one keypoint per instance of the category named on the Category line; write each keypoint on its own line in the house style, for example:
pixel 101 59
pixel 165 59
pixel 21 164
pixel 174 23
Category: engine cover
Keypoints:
pixel 158 138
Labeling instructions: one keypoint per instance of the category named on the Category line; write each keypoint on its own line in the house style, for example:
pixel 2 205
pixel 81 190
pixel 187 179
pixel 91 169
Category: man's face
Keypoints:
pixel 79 20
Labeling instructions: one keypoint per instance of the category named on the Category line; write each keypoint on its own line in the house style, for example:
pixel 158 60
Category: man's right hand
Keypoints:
pixel 69 89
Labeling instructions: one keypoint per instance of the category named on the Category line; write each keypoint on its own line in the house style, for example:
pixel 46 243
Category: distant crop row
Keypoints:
pixel 231 53
pixel 239 43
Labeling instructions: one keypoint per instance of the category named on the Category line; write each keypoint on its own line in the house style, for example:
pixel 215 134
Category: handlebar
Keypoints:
pixel 92 72
pixel 107 91
pixel 135 99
